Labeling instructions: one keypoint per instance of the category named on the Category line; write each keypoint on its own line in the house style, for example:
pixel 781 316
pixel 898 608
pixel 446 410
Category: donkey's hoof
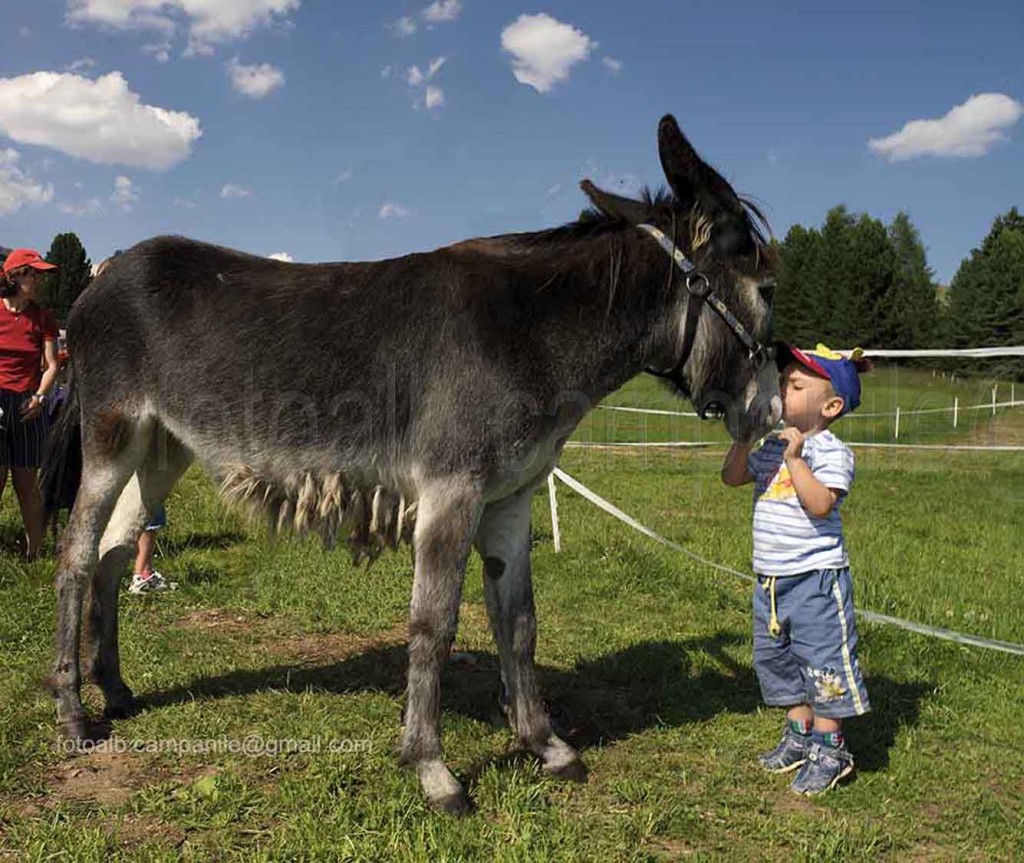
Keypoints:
pixel 457 805
pixel 572 771
pixel 75 730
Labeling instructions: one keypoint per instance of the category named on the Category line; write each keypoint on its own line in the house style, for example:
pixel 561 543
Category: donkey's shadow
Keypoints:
pixel 611 697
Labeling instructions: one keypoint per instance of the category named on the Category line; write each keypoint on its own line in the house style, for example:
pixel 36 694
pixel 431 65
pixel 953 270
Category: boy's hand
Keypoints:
pixel 794 439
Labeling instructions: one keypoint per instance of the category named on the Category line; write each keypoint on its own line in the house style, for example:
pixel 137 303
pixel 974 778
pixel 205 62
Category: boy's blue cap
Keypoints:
pixel 842 371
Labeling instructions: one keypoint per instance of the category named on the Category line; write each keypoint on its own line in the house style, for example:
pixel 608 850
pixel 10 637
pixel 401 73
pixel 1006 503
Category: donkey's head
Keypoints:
pixel 718 357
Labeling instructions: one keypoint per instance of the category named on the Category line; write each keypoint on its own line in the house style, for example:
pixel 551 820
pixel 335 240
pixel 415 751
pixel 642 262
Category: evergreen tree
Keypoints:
pixel 75 273
pixel 911 310
pixel 797 304
pixel 986 296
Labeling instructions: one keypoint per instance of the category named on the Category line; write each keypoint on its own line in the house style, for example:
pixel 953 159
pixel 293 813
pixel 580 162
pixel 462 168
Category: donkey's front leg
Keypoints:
pixel 447 517
pixel 503 540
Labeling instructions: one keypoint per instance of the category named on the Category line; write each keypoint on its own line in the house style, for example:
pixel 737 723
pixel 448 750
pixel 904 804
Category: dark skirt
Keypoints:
pixel 21 441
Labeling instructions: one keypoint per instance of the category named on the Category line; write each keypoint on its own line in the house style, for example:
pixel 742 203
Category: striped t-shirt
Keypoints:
pixel 787 540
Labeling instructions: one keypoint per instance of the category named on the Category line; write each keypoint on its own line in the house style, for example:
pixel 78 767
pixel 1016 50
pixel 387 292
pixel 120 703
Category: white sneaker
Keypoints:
pixel 149 583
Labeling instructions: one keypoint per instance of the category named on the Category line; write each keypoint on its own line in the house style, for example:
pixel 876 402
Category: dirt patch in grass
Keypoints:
pixel 318 648
pixel 137 830
pixel 671 849
pixel 305 647
pixel 108 776
pixel 217 620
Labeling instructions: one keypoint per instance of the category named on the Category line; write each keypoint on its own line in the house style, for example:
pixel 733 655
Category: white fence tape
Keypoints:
pixel 977 353
pixel 987 406
pixel 648 411
pixel 722 444
pixel 874 617
pixel 613 444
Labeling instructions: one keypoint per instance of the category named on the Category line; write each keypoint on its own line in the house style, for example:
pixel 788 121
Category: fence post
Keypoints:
pixel 554 513
pixel 956 409
pixel 897 436
pixel 994 399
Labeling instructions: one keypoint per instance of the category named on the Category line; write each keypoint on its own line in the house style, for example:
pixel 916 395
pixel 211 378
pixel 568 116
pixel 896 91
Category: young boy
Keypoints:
pixel 805 636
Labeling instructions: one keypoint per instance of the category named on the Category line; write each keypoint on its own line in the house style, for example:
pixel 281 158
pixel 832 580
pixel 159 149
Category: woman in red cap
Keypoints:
pixel 28 371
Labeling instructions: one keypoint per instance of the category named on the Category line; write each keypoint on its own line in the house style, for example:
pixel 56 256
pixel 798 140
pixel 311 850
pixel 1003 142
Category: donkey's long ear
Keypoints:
pixel 696 183
pixel 615 206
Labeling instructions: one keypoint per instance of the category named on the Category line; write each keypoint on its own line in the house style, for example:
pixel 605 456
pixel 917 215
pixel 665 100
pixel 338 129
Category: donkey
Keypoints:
pixel 416 399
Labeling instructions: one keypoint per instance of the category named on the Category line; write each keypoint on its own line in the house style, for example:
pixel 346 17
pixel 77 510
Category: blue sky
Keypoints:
pixel 344 131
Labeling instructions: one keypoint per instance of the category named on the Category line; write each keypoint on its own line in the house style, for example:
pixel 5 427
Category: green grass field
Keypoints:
pixel 644 658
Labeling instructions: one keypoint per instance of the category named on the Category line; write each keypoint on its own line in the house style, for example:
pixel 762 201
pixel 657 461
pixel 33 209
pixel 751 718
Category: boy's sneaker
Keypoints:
pixel 790 754
pixel 150 583
pixel 825 767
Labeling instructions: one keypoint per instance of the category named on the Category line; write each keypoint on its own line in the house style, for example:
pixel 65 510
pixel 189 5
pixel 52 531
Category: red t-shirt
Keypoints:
pixel 21 346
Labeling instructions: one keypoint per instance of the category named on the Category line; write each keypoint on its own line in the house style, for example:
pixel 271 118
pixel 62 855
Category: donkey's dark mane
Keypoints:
pixel 594 223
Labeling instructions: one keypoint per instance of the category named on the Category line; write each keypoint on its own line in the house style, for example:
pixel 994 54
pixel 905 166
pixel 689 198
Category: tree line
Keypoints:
pixel 857 281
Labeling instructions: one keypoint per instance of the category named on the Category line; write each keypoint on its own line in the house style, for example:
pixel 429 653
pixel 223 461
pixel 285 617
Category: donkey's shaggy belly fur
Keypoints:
pixel 368 519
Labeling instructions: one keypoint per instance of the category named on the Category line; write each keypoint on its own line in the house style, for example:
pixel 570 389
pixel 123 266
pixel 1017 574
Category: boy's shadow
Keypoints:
pixel 610 697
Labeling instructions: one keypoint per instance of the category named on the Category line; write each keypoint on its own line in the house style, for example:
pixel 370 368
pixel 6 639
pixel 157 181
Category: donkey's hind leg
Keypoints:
pixel 503 541
pixel 110 454
pixel 446 520
pixel 165 462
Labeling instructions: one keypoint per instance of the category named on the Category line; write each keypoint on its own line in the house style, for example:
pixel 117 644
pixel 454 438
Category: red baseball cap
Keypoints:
pixel 26 258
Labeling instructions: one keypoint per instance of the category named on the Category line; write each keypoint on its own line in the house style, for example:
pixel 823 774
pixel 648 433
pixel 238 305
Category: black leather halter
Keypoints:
pixel 699 293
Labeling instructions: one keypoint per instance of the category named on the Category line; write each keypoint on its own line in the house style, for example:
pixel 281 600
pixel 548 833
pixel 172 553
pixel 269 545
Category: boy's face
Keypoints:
pixel 808 401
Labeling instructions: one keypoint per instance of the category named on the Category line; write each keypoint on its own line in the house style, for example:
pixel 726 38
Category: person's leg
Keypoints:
pixel 825 636
pixel 144 554
pixel 26 441
pixel 779 675
pixel 26 486
pixel 145 578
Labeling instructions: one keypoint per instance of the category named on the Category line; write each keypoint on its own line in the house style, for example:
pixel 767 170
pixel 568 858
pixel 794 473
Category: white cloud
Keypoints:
pixel 100 121
pixel 387 72
pixel 79 65
pixel 343 177
pixel 159 51
pixel 232 190
pixel 254 81
pixel 970 129
pixel 209 22
pixel 17 188
pixel 393 211
pixel 281 256
pixel 185 203
pixel 613 65
pixel 544 50
pixel 90 207
pixel 125 194
pixel 442 10
pixel 404 26
pixel 434 97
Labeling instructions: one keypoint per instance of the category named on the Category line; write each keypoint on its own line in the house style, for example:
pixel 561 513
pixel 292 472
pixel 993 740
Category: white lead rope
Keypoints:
pixel 873 616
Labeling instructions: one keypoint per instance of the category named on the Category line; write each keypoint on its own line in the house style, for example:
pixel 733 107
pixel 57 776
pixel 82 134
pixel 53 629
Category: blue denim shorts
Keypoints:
pixel 158 521
pixel 810 655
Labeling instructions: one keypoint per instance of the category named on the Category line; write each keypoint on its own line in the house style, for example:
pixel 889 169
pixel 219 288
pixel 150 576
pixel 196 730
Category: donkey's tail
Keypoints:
pixel 61 469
